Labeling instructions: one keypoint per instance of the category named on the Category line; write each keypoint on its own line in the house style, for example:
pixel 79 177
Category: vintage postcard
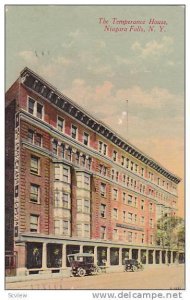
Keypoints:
pixel 94 144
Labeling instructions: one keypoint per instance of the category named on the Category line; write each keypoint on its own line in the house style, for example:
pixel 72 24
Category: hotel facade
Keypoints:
pixel 74 185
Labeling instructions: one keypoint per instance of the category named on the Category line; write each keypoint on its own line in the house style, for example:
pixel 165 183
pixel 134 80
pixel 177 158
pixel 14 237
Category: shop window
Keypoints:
pixel 34 255
pixel 114 256
pixel 54 256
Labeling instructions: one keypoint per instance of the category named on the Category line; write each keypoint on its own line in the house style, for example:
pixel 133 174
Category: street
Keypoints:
pixel 154 277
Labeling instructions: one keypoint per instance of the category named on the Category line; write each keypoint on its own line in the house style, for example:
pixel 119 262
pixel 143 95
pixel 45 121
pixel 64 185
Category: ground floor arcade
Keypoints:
pixel 46 255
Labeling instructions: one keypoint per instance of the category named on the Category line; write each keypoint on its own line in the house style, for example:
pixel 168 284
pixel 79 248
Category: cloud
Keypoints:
pixel 105 70
pixel 123 60
pixel 153 48
pixel 28 56
pixel 61 60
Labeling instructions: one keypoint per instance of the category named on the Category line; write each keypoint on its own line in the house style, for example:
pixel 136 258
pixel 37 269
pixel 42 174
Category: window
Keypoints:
pixel 127 163
pixel 130 236
pixel 30 136
pixel 39 110
pixel 85 138
pixel 135 201
pixel 115 213
pixel 114 155
pixel 151 223
pixel 57 226
pixel 34 193
pixel 105 149
pixel 151 239
pixel 82 160
pixel 62 150
pixel 86 230
pixel 130 199
pixel 142 204
pixel 60 123
pixel 38 140
pixel 117 176
pixel 65 174
pixel 31 104
pixel 86 181
pixel 34 165
pixel 124 198
pixel 35 108
pixel 142 220
pixel 130 217
pixel 74 132
pixel 124 178
pixel 135 218
pixel 103 232
pixel 65 227
pixel 136 168
pixel 124 216
pixel 142 238
pixel 105 170
pixel 54 147
pixel 34 223
pixel 103 210
pixel 86 206
pixel 115 194
pixel 142 172
pixel 79 205
pixel 115 234
pixel 158 180
pixel 103 189
pixel 132 163
pixel 79 229
pixel 57 199
pixel 135 237
pixel 112 174
pixel 150 206
pixel 122 160
pixel 100 146
pixel 57 172
pixel 65 199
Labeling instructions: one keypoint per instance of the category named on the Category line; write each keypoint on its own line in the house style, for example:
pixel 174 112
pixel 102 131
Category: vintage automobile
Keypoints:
pixel 83 264
pixel 133 265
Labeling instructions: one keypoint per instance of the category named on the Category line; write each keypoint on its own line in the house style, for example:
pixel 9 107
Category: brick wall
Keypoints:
pixel 9 174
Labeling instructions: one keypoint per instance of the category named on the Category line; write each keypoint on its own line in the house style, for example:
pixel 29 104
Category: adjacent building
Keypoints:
pixel 74 185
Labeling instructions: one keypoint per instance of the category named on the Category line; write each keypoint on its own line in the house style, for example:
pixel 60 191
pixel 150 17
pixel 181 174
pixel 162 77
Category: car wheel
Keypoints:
pixel 98 270
pixel 134 268
pixel 81 272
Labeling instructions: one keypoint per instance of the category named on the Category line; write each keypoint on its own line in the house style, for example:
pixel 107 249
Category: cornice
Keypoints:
pixel 51 94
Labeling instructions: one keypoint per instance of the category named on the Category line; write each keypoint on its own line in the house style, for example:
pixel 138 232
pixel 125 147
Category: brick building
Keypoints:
pixel 75 185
